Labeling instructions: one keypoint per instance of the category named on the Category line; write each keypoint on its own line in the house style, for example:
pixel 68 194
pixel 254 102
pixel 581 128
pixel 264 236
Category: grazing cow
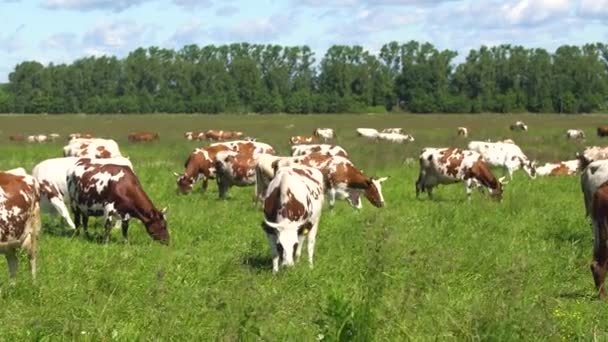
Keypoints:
pixel 575 134
pixel 324 133
pixel 395 137
pixel 506 155
pixel 332 150
pixel 599 216
pixel 92 148
pixel 39 138
pixel 80 136
pixel 302 139
pixel 51 174
pixel 265 166
pixel 195 135
pixel 342 178
pixel 593 176
pixel 392 130
pixel 292 209
pixel 19 218
pixel 200 165
pixel 222 135
pixel 518 126
pixel 234 168
pixel 370 133
pixel 54 136
pixel 16 137
pixel 143 136
pixel 452 165
pixel 564 168
pixel 602 131
pixel 462 132
pixel 112 191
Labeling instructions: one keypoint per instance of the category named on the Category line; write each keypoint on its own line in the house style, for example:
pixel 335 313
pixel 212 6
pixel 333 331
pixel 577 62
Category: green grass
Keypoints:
pixel 417 269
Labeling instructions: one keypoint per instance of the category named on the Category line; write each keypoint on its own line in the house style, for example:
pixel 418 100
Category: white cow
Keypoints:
pixel 292 210
pixel 508 156
pixel 51 175
pixel 333 150
pixel 395 137
pixel 92 148
pixel 370 133
pixel 325 133
pixel 463 131
pixel 519 126
pixel 575 134
pixel 392 130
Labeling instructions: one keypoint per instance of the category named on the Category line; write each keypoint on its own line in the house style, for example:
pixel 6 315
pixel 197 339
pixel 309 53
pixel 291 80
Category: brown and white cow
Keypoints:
pixel 453 165
pixel 462 132
pixel 332 150
pixel 112 191
pixel 195 135
pixel 324 133
pixel 80 136
pixel 592 153
pixel 200 165
pixel 234 169
pixel 519 126
pixel 19 218
pixel 92 148
pixel 602 131
pixel 39 138
pixel 143 136
pixel 563 168
pixel 302 139
pixel 575 134
pixel 292 210
pixel 222 135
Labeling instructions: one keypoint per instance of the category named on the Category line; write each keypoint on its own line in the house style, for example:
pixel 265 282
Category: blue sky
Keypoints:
pixel 60 31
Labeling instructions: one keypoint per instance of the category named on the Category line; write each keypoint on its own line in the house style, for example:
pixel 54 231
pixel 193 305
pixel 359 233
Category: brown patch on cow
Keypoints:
pixel 561 170
pixel 143 136
pixel 602 131
pixel 599 266
pixel 305 173
pixel 18 196
pixel 48 189
pixel 102 152
pixel 292 209
pixel 452 158
pixel 481 172
pixel 315 159
pixel 272 202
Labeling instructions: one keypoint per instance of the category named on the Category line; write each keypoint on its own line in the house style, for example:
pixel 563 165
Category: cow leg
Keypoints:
pixel 108 225
pixel 298 251
pixel 468 184
pixel 85 224
pixel 125 229
pixel 12 261
pixel 312 237
pixel 60 207
pixel 354 198
pixel 30 244
pixel 331 195
pixel 205 184
pixel 222 187
pixel 429 191
pixel 419 186
pixel 77 221
pixel 272 240
pixel 599 276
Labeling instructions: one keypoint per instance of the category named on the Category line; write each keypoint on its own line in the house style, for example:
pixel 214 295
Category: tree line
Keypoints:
pixel 242 78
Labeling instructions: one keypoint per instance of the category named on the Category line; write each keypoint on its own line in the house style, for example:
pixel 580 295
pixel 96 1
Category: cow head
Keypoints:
pixel 184 183
pixel 496 194
pixel 156 226
pixel 287 238
pixel 373 192
pixel 529 167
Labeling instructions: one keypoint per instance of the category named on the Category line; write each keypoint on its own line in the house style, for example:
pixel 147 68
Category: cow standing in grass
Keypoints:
pixel 331 150
pixel 575 134
pixel 563 168
pixel 234 169
pixel 292 210
pixel 453 165
pixel 506 155
pixel 19 217
pixel 92 148
pixel 302 139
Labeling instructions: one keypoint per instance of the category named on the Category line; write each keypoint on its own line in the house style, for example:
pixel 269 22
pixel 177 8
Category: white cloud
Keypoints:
pixel 372 21
pixel 191 4
pixel 257 30
pixel 191 33
pixel 60 41
pixel 117 38
pixel 91 5
pixel 226 11
pixel 13 41
pixel 594 8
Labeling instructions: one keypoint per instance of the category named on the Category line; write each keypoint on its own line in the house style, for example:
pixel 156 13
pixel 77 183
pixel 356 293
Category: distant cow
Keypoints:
pixel 292 209
pixel 599 216
pixel 395 137
pixel 80 136
pixel 222 135
pixel 143 136
pixel 451 165
pixel 54 136
pixel 200 165
pixel 112 191
pixel 369 133
pixel 392 130
pixel 575 134
pixel 463 132
pixel 39 138
pixel 19 218
pixel 52 174
pixel 325 133
pixel 195 135
pixel 92 148
pixel 16 137
pixel 519 126
pixel 302 139
pixel 332 150
pixel 564 168
pixel 506 155
pixel 602 131
pixel 232 169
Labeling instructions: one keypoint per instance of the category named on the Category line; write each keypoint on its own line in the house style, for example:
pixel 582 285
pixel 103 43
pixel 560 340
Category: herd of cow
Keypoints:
pixel 94 179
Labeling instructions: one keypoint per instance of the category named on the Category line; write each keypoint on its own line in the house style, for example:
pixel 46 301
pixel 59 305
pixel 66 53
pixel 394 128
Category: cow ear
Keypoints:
pixel 176 174
pixel 383 179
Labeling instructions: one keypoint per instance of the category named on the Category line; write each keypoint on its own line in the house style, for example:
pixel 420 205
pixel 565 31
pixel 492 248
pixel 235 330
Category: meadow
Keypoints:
pixel 415 270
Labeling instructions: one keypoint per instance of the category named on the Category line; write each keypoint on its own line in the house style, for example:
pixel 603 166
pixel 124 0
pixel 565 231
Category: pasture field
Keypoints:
pixel 414 270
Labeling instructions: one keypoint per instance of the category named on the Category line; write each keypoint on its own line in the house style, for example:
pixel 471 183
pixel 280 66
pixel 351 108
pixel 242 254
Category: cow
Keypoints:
pixel 593 176
pixel 332 150
pixel 292 210
pixel 395 137
pixel 112 191
pixel 54 136
pixel 602 131
pixel 452 165
pixel 20 222
pixel 143 136
pixel 92 148
pixel 392 130
pixel 506 155
pixel 592 153
pixel 51 174
pixel 325 133
pixel 232 169
pixel 370 133
pixel 563 168
pixel 599 217
pixel 200 163
pixel 16 137
pixel 194 135
pixel 575 134
pixel 80 136
pixel 342 178
pixel 519 126
pixel 39 138
pixel 302 139
pixel 222 135
pixel 462 132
